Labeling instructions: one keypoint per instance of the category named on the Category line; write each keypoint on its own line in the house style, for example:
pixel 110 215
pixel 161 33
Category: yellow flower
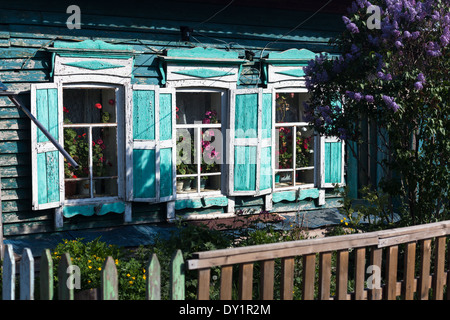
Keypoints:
pixel 130 282
pixel 55 253
pixel 90 267
pixel 99 269
pixel 345 218
pixel 128 275
pixel 117 261
pixel 89 281
pixel 346 224
pixel 89 261
pixel 143 270
pixel 342 220
pixel 144 277
pixel 134 278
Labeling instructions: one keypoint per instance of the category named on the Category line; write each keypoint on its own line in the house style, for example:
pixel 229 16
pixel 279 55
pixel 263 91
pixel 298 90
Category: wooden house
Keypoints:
pixel 172 109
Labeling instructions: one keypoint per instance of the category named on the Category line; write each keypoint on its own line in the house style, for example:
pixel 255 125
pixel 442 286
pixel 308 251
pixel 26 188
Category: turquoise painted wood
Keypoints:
pixel 177 276
pixel 265 181
pixel 165 116
pixel 202 53
pixel 48 177
pixel 166 172
pixel 333 162
pixel 46 275
pixel 294 195
pixel 153 280
pixel 48 186
pixel 204 73
pixel 245 168
pixel 144 178
pixel 90 210
pixel 246 116
pixel 144 115
pixel 201 203
pixel 266 115
pixel 94 65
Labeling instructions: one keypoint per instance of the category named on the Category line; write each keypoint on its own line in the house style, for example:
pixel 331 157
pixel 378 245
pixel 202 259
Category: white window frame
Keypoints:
pixel 197 127
pixel 121 147
pixel 275 136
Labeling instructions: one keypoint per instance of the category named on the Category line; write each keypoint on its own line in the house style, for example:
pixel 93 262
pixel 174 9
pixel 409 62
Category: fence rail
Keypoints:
pixel 417 277
pixel 324 264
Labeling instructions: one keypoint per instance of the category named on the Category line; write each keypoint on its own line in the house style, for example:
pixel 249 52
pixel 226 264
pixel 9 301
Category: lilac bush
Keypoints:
pixel 396 77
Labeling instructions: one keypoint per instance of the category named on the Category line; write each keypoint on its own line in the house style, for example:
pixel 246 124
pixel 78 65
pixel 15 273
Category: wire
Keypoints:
pixel 215 14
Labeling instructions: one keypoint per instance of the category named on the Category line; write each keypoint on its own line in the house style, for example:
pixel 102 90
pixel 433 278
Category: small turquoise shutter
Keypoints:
pixel 152 164
pixel 331 162
pixel 250 155
pixel 47 163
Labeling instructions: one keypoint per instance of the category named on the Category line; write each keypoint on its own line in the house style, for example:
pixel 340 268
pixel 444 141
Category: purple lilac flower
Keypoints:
pixel 415 35
pixel 389 101
pixel 358 96
pixel 444 40
pixel 406 34
pixel 421 77
pixel 418 85
pixel 369 98
pixel 352 28
pixel 398 44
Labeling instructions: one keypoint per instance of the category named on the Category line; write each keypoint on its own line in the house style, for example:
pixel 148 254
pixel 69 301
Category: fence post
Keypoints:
pixel 46 275
pixel 110 282
pixel 27 275
pixel 153 281
pixel 9 274
pixel 177 290
pixel 65 292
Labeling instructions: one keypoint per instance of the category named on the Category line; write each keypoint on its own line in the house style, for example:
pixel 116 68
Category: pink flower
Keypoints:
pixel 206 120
pixel 99 141
pixel 111 101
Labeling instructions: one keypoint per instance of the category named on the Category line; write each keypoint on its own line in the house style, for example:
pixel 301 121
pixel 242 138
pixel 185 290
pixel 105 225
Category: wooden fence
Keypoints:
pixel 423 272
pixel 66 287
pixel 341 260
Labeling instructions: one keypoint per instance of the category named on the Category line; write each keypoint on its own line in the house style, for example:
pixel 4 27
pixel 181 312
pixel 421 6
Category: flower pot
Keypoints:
pixel 180 185
pixel 83 188
pixel 202 184
pixel 71 188
pixel 277 178
pixel 285 177
pixel 187 184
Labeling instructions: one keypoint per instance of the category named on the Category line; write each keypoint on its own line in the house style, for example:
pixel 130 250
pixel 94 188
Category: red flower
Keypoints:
pixel 111 101
pixel 74 176
pixel 98 106
pixel 65 110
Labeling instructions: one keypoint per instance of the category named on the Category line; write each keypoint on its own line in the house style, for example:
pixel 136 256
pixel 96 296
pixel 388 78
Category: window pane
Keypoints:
pixel 186 163
pixel 211 150
pixel 289 107
pixel 89 106
pixel 285 155
pixel 198 106
pixel 76 143
pixel 304 147
pixel 104 152
pixel 305 177
pixel 105 187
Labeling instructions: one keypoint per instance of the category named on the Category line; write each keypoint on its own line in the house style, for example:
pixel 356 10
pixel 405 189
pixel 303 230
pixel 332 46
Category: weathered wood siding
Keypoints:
pixel 27 28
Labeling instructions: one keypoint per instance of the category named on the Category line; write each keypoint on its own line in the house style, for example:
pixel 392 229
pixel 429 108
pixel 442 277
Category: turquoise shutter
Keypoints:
pixel 47 163
pixel 152 154
pixel 250 156
pixel 331 162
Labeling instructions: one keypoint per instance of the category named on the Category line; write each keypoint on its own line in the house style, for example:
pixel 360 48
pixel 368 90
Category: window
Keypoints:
pixel 199 157
pixel 91 136
pixel 294 142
